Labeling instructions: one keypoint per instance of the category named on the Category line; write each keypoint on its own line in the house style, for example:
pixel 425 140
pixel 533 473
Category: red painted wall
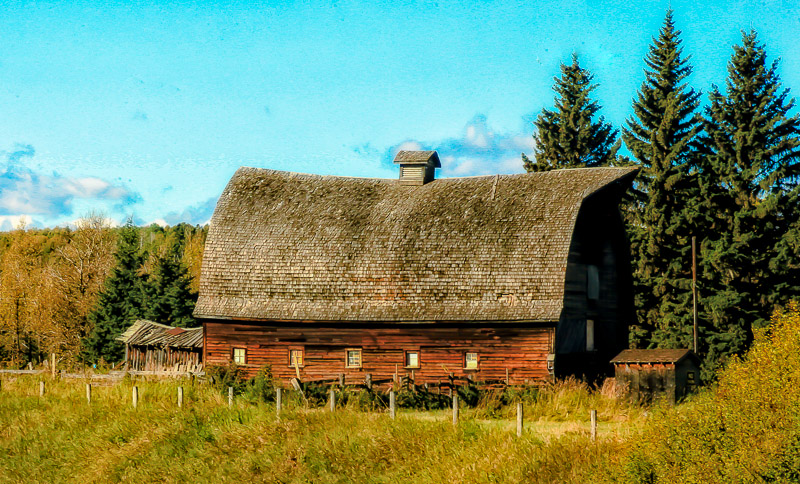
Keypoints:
pixel 522 349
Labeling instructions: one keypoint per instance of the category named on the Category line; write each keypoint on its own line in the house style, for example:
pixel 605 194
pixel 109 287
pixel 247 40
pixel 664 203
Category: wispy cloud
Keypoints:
pixel 198 214
pixel 478 151
pixel 24 192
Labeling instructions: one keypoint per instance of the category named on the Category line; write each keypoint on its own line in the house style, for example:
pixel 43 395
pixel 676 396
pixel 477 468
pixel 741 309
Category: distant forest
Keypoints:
pixel 71 291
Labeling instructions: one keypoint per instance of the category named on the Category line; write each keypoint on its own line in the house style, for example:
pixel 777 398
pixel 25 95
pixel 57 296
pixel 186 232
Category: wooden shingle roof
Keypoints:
pixel 653 356
pixel 288 246
pixel 147 333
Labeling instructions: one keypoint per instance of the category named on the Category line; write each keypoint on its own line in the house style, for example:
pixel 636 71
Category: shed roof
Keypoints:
pixel 148 333
pixel 652 356
pixel 289 246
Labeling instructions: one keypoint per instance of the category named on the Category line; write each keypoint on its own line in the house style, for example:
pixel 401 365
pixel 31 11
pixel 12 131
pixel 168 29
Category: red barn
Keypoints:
pixel 520 275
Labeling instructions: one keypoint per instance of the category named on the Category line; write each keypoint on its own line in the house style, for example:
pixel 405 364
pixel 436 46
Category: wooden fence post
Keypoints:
pixel 332 400
pixel 89 393
pixel 593 417
pixel 278 401
pixel 392 409
pixel 41 388
pixel 519 419
pixel 455 409
pixel 230 396
pixel 53 366
pixel 180 397
pixel 135 397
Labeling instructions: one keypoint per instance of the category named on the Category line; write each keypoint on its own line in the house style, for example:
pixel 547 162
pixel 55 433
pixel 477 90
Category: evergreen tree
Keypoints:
pixel 660 137
pixel 748 181
pixel 120 302
pixel 170 298
pixel 568 137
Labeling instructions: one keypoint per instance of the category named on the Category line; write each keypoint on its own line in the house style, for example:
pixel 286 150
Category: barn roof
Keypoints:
pixel 148 333
pixel 289 246
pixel 652 356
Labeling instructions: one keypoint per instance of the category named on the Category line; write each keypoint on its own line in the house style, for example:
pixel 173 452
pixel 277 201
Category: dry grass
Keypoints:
pixel 60 438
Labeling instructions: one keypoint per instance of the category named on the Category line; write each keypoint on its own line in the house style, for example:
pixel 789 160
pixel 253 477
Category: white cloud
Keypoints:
pixel 479 151
pixel 11 222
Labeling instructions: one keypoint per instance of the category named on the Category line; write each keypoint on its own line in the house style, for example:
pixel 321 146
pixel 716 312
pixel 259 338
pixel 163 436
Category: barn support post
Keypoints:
pixel 127 352
pixel 519 419
pixel 593 417
pixel 392 409
pixel 341 380
pixel 507 379
pixel 368 381
pixel 455 409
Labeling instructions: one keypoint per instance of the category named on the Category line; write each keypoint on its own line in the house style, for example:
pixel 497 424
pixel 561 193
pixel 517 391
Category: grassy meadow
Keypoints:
pixel 743 429
pixel 61 438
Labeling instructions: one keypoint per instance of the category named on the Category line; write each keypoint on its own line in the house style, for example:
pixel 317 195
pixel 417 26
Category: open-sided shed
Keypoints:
pixel 658 373
pixel 152 346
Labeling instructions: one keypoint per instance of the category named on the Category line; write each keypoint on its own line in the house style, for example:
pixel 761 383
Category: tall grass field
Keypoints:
pixel 745 428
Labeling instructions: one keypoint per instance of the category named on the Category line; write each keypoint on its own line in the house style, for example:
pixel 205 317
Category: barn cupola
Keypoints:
pixel 417 167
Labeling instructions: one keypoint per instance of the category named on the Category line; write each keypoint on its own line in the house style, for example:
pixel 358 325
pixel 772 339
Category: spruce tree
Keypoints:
pixel 120 302
pixel 660 137
pixel 170 298
pixel 748 181
pixel 568 136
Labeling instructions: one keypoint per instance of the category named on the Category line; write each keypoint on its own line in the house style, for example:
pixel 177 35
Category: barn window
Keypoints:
pixel 412 359
pixel 471 360
pixel 590 335
pixel 239 356
pixel 295 358
pixel 592 282
pixel 353 358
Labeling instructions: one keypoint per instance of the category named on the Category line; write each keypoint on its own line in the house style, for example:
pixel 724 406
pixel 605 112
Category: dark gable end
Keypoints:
pixel 288 246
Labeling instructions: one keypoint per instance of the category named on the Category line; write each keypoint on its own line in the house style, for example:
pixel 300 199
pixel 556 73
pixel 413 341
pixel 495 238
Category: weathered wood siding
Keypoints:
pixel 150 358
pixel 520 349
pixel 598 240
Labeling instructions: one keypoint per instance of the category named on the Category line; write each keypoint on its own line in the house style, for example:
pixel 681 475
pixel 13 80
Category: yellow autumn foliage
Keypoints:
pixel 747 429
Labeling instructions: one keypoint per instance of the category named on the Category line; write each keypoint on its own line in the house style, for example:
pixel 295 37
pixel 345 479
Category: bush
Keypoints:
pixel 260 388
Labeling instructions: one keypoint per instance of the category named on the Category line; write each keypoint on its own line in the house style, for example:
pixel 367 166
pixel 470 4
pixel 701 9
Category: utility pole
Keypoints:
pixel 694 288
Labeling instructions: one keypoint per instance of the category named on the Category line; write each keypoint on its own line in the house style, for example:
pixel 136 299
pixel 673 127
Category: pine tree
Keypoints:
pixel 170 298
pixel 660 137
pixel 568 137
pixel 120 302
pixel 748 180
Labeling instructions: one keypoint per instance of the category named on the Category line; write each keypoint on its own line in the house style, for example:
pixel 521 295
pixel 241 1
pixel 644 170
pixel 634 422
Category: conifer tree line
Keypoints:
pixel 72 291
pixel 725 171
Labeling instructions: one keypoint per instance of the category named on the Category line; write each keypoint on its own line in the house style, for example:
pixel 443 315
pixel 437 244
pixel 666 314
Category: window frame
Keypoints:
pixel 244 355
pixel 347 358
pixel 406 362
pixel 593 282
pixel 477 360
pixel 302 357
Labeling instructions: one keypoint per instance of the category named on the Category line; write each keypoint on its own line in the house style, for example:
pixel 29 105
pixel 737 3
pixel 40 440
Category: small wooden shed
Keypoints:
pixel 152 346
pixel 660 373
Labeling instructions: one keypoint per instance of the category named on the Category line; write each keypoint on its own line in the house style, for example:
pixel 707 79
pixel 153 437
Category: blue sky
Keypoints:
pixel 147 108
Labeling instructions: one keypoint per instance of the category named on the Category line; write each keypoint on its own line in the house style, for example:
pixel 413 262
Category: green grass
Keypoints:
pixel 60 438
